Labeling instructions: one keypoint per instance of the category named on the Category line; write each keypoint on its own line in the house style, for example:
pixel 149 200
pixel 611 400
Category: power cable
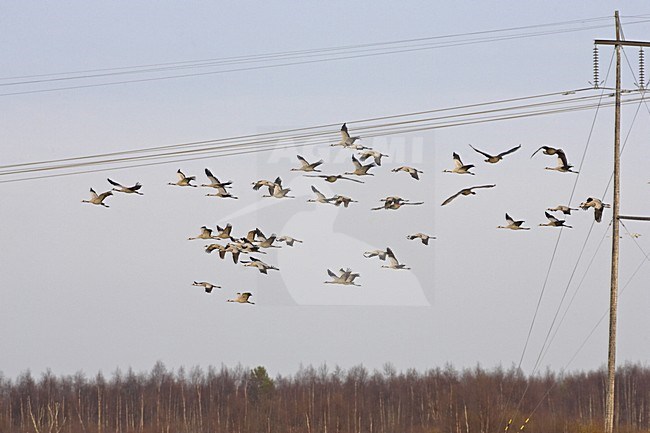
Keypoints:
pixel 550 266
pixel 212 152
pixel 344 56
pixel 309 51
pixel 545 349
pixel 382 129
pixel 645 260
pixel 552 261
pixel 309 128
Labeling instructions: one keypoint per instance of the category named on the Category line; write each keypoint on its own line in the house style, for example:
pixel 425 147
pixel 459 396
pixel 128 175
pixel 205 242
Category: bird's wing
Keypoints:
pixel 510 151
pixel 112 182
pixel 598 213
pixel 414 174
pixel 344 132
pixel 451 198
pixel 103 195
pixel 550 217
pixel 260 183
pixel 457 160
pixel 509 220
pixel 302 160
pixel 278 181
pixel 136 187
pixel 487 155
pixel 210 176
pixel 319 194
pixel 250 236
pixel 483 186
pixel 180 175
pixel 536 151
pixel 260 234
pixel 93 194
pixel 353 180
pixel 356 162
pixel 391 257
pixel 562 158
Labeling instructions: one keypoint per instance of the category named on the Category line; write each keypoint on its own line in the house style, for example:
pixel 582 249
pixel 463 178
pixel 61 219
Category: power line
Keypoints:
pixel 304 140
pixel 283 54
pixel 599 245
pixel 336 56
pixel 275 134
pixel 645 260
pixel 550 266
pixel 547 342
pixel 264 148
pixel 214 152
pixel 552 261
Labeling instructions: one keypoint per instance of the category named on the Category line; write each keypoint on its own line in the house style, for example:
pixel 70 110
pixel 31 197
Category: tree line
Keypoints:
pixel 323 400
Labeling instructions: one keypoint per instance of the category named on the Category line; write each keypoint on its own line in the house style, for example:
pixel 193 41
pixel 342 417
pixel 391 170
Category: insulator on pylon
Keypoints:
pixel 596 82
pixel 641 69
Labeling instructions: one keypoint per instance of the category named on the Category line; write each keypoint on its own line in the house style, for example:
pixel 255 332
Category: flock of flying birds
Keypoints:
pixel 256 241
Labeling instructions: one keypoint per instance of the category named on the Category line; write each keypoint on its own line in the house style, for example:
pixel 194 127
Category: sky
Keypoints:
pixel 85 288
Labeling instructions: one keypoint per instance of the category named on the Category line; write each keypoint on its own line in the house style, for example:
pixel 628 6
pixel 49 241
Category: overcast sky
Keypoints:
pixel 88 288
